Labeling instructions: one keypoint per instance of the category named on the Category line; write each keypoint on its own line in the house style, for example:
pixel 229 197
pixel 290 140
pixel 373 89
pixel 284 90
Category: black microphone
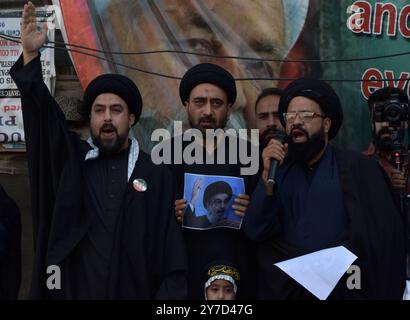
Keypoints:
pixel 273 166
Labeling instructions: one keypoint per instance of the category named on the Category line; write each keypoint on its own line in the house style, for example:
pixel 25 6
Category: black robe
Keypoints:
pixel 10 257
pixel 207 246
pixel 148 258
pixel 375 234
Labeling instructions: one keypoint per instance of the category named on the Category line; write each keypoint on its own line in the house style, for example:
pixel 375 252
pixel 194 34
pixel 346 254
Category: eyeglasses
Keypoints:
pixel 305 116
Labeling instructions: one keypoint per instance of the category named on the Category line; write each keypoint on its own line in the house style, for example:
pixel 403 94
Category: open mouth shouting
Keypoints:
pixel 299 135
pixel 108 131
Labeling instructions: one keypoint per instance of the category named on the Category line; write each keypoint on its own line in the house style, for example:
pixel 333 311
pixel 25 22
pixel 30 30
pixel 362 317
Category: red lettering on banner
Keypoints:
pixel 368 87
pixel 401 84
pixel 403 25
pixel 11 107
pixel 360 20
pixel 376 81
pixel 14 52
pixel 381 10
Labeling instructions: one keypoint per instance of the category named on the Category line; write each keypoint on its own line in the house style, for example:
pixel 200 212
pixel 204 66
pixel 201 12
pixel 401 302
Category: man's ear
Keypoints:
pixel 131 118
pixel 228 114
pixel 327 123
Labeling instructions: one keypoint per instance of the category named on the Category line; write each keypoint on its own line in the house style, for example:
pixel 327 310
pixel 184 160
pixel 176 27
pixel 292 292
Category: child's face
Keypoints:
pixel 220 290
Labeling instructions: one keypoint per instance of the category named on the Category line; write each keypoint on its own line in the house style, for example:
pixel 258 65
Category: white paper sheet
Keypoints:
pixel 320 271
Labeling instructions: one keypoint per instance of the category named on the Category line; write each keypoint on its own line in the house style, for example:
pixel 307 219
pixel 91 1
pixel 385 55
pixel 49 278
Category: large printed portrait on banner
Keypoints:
pixel 357 46
pixel 214 28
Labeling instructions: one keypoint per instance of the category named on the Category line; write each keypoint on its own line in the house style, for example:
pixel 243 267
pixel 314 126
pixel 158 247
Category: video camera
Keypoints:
pixel 395 113
pixel 392 111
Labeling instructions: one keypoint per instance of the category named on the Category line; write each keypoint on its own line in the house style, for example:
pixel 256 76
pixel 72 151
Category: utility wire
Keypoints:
pixel 17 39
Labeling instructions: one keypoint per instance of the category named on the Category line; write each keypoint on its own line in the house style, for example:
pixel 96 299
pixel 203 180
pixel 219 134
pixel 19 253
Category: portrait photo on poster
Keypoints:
pixel 209 201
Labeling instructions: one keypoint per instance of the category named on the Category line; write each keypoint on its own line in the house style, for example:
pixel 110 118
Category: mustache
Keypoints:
pixel 108 126
pixel 299 127
pixel 207 119
pixel 270 131
pixel 384 130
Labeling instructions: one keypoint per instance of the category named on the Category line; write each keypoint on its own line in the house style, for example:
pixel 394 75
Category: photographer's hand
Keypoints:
pixel 397 179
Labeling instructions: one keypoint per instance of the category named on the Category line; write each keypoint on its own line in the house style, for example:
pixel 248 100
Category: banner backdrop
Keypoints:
pixel 11 120
pixel 130 34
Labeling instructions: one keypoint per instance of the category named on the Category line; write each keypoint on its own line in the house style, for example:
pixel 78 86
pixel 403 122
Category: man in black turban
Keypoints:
pixel 96 213
pixel 216 198
pixel 310 130
pixel 208 92
pixel 112 104
pixel 324 197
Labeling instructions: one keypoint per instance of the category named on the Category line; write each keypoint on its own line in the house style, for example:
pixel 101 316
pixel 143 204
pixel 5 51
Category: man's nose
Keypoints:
pixel 298 119
pixel 207 110
pixel 107 115
pixel 271 120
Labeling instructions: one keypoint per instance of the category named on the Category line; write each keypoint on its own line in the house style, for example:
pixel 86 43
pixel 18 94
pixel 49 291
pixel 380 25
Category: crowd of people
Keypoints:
pixel 118 226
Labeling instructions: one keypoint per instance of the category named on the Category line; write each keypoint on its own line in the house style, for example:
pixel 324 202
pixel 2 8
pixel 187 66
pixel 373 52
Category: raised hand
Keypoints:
pixel 31 38
pixel 195 191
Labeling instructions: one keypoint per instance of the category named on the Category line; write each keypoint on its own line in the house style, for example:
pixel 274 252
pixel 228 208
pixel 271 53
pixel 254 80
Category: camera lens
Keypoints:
pixel 393 112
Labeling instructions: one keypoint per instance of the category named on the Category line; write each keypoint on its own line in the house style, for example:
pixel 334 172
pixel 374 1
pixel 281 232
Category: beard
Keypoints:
pixel 109 147
pixel 384 144
pixel 216 216
pixel 306 151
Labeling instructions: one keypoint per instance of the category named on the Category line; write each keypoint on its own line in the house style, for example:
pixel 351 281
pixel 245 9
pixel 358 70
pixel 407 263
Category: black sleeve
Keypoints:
pixel 174 282
pixel 261 219
pixel 49 143
pixel 10 258
pixel 376 230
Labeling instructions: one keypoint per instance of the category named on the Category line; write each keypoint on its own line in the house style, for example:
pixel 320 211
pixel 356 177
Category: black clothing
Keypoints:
pixel 205 246
pixel 375 233
pixel 10 247
pixel 148 257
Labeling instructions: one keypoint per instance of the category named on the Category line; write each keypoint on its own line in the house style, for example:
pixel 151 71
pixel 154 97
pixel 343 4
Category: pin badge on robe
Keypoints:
pixel 140 185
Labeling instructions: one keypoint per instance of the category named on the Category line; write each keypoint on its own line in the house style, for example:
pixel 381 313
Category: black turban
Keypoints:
pixel 318 91
pixel 215 188
pixel 207 73
pixel 116 84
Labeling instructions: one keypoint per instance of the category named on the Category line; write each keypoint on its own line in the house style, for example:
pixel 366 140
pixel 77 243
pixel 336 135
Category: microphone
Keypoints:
pixel 273 166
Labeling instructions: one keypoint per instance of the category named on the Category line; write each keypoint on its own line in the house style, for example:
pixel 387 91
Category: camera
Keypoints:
pixel 392 111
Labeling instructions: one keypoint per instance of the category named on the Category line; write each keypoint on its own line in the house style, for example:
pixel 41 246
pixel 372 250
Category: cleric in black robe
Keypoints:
pixel 10 247
pixel 205 246
pixel 324 197
pixel 96 208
